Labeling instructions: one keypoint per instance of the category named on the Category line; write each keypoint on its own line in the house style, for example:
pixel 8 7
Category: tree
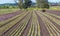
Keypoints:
pixel 20 3
pixel 42 3
pixel 28 3
pixel 24 3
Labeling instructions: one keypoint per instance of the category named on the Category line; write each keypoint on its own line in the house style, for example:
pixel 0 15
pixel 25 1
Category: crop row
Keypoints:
pixel 21 27
pixel 53 19
pixel 10 24
pixel 53 30
pixel 10 20
pixel 35 28
pixel 17 25
pixel 53 15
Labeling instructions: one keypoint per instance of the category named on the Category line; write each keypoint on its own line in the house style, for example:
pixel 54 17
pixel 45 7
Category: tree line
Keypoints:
pixel 24 4
pixel 27 3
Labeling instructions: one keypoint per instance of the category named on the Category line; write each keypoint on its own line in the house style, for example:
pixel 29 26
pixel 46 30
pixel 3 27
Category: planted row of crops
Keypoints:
pixel 35 28
pixel 31 23
pixel 9 15
pixel 52 28
pixel 8 25
pixel 9 20
pixel 21 27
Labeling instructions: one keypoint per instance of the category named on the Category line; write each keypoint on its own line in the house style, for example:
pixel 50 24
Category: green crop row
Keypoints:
pixel 35 28
pixel 17 26
pixel 53 31
pixel 9 25
pixel 53 19
pixel 22 26
pixel 53 15
pixel 11 19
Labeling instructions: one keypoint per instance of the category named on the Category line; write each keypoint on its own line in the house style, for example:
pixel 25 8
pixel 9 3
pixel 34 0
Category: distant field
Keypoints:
pixel 5 11
pixel 51 8
pixel 55 8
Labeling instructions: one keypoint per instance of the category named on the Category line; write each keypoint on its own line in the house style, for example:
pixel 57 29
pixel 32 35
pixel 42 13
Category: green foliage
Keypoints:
pixel 24 5
pixel 45 5
pixel 27 4
pixel 6 11
pixel 7 7
pixel 42 4
pixel 1 7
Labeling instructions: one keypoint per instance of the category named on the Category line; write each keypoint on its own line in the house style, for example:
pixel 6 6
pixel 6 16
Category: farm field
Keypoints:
pixel 30 23
pixel 55 8
pixel 6 11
